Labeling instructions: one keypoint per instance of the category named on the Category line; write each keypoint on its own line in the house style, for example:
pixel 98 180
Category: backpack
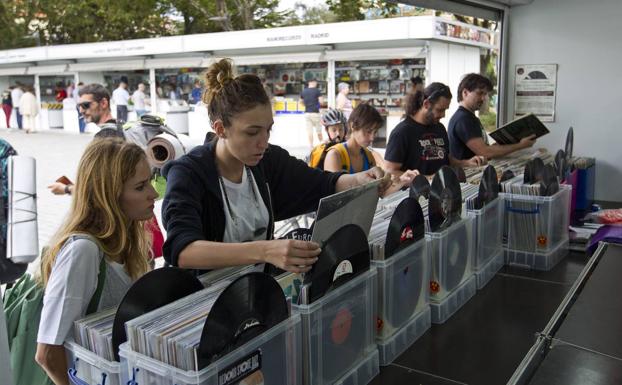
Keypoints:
pixel 318 155
pixel 22 305
pixel 345 158
pixel 9 270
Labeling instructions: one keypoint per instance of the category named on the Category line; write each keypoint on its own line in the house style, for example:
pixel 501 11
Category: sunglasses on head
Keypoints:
pixel 85 105
pixel 438 93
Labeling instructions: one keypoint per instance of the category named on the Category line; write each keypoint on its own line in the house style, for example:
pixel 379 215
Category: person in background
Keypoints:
pixel 16 97
pixel 416 84
pixel 343 102
pixel 7 106
pixel 75 95
pixel 467 136
pixel 312 98
pixel 29 109
pixel 420 141
pixel 69 90
pixel 336 128
pixel 61 93
pixel 223 198
pixel 105 228
pixel 140 100
pixel 120 97
pixel 196 93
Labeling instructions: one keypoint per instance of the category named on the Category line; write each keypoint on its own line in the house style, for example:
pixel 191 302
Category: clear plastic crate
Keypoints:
pixel 451 252
pixel 392 347
pixel 441 311
pixel 403 281
pixel 92 369
pixel 536 223
pixel 536 260
pixel 271 358
pixel 485 273
pixel 488 233
pixel 338 333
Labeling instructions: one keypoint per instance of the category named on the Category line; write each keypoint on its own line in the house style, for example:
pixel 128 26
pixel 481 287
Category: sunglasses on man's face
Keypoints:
pixel 85 105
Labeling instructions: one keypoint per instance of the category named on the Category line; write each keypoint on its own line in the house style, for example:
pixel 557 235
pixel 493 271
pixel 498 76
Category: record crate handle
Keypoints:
pixel 75 380
pixel 511 209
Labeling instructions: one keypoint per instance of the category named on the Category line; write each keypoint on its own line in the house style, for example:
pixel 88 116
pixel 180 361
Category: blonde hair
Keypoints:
pixel 227 94
pixel 105 166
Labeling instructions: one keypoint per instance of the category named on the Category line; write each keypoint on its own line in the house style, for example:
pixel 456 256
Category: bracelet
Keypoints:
pixel 67 191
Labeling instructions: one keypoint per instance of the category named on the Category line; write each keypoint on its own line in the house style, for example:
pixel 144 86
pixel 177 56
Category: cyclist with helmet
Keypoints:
pixel 334 123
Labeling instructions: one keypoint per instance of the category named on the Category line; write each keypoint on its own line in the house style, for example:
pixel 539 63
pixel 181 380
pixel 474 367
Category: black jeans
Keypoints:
pixel 121 114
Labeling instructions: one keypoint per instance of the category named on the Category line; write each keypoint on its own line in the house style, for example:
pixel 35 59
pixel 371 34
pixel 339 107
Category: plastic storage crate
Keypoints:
pixel 488 233
pixel 441 311
pixel 390 348
pixel 451 253
pixel 536 261
pixel 338 334
pixel 88 367
pixel 402 294
pixel 271 358
pixel 536 224
pixel 488 271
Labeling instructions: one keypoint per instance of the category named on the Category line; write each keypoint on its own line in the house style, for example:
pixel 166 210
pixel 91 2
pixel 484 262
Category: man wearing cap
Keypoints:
pixel 467 137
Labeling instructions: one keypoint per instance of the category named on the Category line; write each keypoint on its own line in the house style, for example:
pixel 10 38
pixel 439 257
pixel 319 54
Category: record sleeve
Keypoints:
pixel 518 129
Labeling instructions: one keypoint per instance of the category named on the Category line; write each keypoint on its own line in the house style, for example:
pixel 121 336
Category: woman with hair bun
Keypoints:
pixel 223 198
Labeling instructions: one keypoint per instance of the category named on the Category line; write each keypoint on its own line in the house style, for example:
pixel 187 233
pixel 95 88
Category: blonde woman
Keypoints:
pixel 111 201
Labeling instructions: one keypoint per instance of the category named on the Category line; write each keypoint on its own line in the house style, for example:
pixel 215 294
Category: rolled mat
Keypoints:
pixel 166 147
pixel 22 235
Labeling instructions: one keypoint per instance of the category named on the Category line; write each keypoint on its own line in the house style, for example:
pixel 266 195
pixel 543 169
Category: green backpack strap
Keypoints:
pixel 101 277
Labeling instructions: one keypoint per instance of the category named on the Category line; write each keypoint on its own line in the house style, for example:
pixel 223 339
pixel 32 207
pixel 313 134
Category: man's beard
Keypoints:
pixel 429 118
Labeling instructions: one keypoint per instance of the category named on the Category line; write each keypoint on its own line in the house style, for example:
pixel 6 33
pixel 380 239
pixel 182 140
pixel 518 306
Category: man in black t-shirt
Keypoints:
pixel 311 97
pixel 420 141
pixel 467 137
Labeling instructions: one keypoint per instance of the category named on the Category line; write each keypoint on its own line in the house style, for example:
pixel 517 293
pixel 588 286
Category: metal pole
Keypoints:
pixel 153 91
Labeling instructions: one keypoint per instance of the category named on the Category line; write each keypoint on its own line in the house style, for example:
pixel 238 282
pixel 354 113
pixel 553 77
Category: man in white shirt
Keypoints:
pixel 120 97
pixel 16 97
pixel 140 100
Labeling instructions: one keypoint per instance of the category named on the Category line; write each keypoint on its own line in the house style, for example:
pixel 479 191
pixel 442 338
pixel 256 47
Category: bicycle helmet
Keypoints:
pixel 332 117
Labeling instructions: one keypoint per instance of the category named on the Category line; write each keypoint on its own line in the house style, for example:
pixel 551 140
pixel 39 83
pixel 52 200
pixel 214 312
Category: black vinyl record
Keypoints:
pixel 549 184
pixel 456 259
pixel 507 175
pixel 249 306
pixel 407 226
pixel 488 187
pixel 344 255
pixel 569 145
pixel 560 164
pixel 445 204
pixel 538 168
pixel 420 187
pixel 459 173
pixel 529 174
pixel 153 290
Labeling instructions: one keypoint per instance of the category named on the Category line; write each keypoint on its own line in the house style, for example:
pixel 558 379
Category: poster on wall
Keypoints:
pixel 535 90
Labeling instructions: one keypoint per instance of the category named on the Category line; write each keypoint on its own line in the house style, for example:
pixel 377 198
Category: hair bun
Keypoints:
pixel 223 78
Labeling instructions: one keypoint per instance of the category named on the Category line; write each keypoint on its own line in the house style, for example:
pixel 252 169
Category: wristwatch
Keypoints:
pixel 67 191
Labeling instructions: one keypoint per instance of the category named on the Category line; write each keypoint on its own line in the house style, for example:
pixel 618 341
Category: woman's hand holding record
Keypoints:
pixel 291 255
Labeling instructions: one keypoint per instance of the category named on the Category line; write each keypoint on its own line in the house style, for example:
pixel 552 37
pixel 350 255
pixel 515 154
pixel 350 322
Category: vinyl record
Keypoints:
pixel 344 255
pixel 459 173
pixel 406 227
pixel 538 169
pixel 420 187
pixel 445 204
pixel 560 164
pixel 488 187
pixel 549 185
pixel 153 290
pixel 406 288
pixel 506 175
pixel 249 306
pixel 569 145
pixel 456 262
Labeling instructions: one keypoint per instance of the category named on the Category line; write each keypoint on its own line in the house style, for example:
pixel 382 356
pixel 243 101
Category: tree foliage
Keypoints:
pixel 351 10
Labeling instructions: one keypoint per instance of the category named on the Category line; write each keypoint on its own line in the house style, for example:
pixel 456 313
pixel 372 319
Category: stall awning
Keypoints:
pixel 177 62
pixel 120 65
pixel 306 57
pixel 12 71
pixel 47 70
pixel 377 54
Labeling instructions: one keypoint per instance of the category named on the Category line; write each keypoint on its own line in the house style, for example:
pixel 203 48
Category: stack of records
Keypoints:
pixel 94 332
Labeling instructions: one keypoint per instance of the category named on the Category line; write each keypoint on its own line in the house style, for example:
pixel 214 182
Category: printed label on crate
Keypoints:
pixel 247 368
